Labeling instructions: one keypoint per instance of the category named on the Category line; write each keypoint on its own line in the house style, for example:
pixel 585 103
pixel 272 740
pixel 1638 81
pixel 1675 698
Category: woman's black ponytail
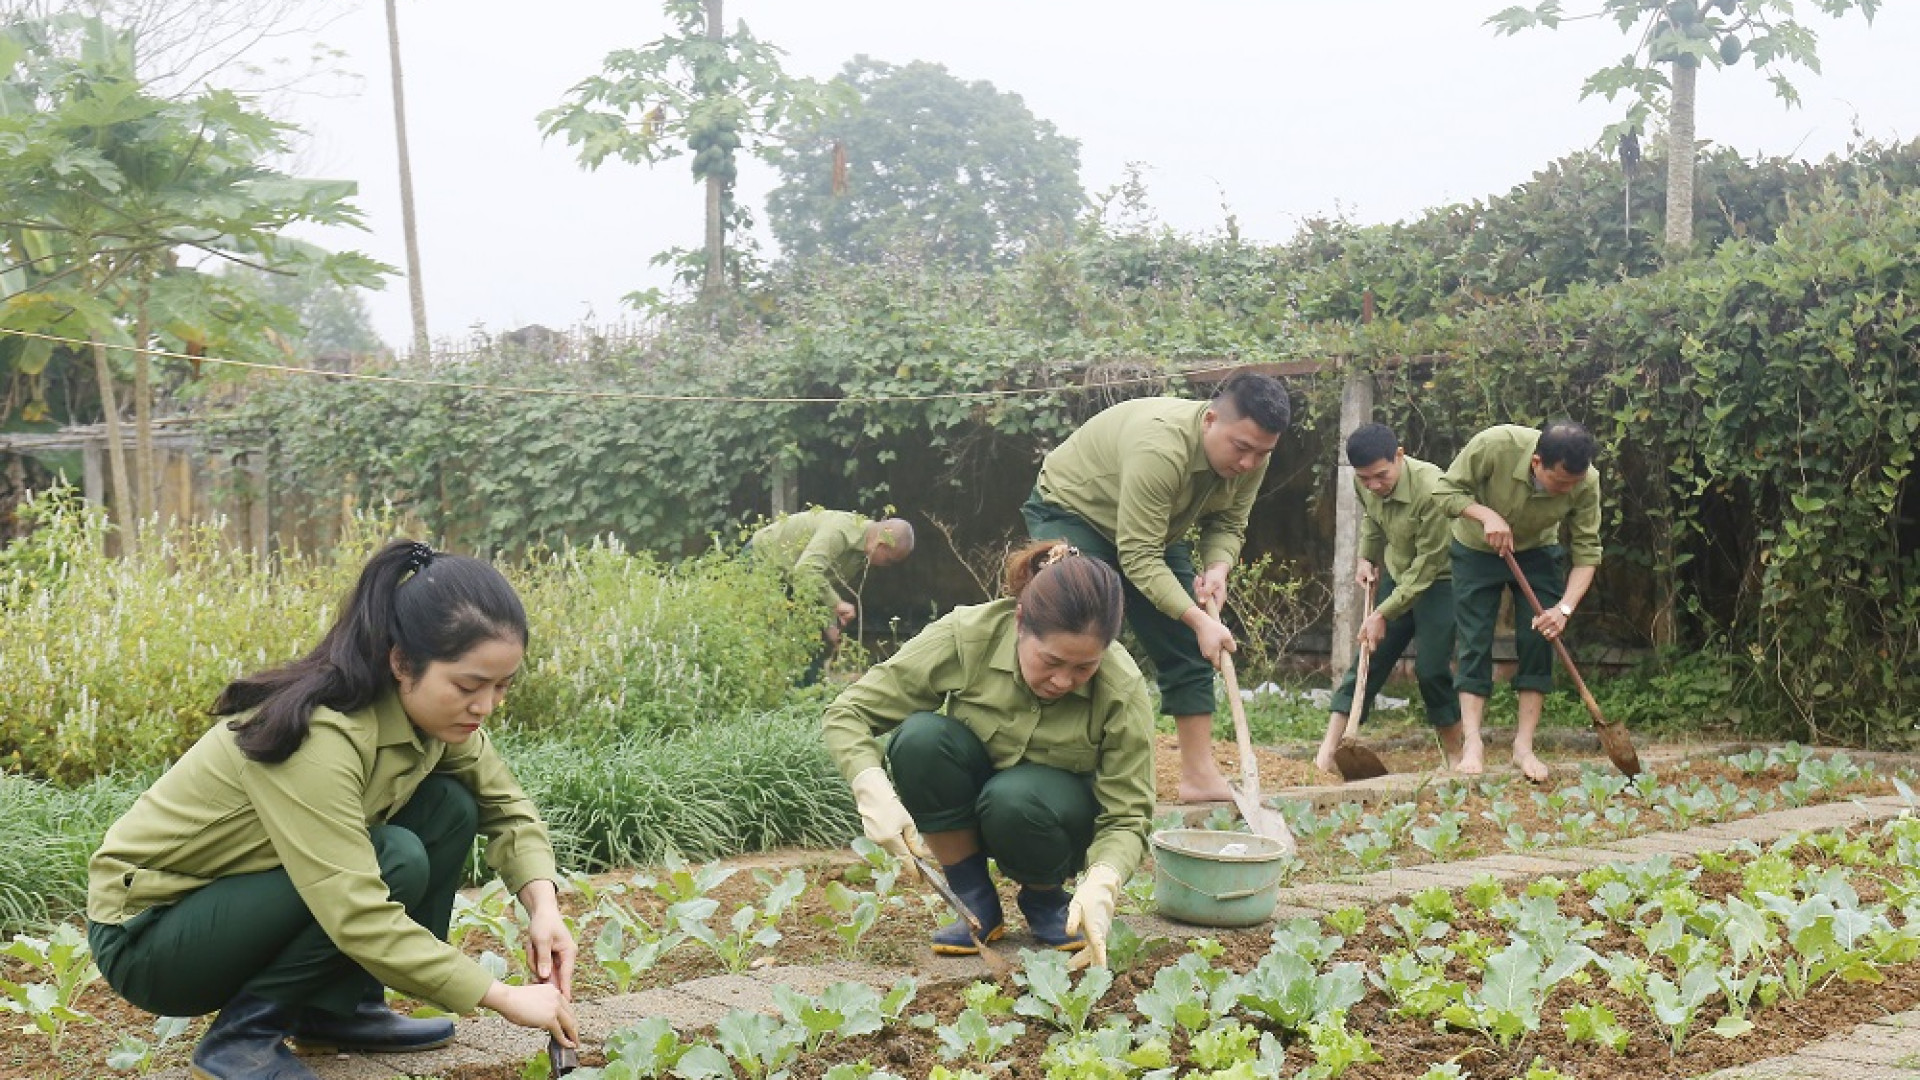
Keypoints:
pixel 431 606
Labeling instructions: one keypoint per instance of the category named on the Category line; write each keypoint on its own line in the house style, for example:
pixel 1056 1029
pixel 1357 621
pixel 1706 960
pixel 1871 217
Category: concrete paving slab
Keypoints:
pixel 1664 843
pixel 1511 866
pixel 459 1055
pixel 364 1066
pixel 1587 857
pixel 1894 1053
pixel 603 1017
pixel 490 1034
pixel 1330 897
pixel 1407 880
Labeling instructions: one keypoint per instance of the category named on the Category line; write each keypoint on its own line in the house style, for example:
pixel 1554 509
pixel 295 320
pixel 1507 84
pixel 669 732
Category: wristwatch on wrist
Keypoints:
pixel 1565 611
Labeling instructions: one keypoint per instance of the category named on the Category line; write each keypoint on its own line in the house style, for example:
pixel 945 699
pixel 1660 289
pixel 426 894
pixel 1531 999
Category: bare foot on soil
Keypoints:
pixel 1206 787
pixel 1472 759
pixel 1531 766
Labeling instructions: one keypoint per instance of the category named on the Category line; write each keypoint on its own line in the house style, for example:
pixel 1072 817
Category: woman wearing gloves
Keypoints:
pixel 305 854
pixel 1021 731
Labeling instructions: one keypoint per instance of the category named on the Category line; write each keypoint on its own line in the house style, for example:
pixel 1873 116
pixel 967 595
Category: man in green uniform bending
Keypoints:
pixel 1403 549
pixel 1510 490
pixel 825 554
pixel 1126 488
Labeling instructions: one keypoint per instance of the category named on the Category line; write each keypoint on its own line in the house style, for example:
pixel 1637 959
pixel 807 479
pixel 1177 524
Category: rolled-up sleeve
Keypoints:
pixel 310 807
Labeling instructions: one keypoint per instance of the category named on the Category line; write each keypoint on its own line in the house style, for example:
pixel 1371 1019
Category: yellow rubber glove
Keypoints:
pixel 886 820
pixel 1091 912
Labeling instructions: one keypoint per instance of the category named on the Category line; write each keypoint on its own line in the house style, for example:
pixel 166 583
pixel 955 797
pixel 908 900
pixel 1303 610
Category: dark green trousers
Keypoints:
pixel 1479 578
pixel 1430 625
pixel 1036 821
pixel 252 933
pixel 1182 672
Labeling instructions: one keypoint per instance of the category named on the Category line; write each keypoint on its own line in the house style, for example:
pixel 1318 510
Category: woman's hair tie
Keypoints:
pixel 419 556
pixel 1056 553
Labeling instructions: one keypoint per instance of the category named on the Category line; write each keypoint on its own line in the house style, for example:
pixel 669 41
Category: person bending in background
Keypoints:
pixel 825 554
pixel 1022 732
pixel 304 855
pixel 1510 490
pixel 1127 487
pixel 1403 549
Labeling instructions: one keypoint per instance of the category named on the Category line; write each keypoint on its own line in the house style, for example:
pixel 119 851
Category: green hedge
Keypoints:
pixel 109 664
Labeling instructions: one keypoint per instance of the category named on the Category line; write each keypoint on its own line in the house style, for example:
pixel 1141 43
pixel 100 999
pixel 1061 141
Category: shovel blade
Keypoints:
pixel 1357 762
pixel 1618 744
pixel 1262 821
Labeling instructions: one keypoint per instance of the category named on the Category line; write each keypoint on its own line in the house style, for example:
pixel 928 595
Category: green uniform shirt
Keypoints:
pixel 1409 529
pixel 964 665
pixel 1137 473
pixel 217 813
pixel 1496 471
pixel 823 551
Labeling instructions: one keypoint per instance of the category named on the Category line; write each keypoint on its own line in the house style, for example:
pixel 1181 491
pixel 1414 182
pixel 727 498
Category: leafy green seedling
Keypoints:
pixel 1347 921
pixel 1053 997
pixel 986 998
pixel 855 914
pixel 1336 1048
pixel 750 933
pixel 1595 1024
pixel 761 1046
pixel 841 1011
pixel 138 1056
pixel 1369 849
pixel 68 961
pixel 973 1037
pixel 1285 989
pixel 1223 1045
pixel 1483 892
pixel 1446 838
pixel 651 1049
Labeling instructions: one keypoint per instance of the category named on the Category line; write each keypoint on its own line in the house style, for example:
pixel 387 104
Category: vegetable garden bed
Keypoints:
pixel 689 922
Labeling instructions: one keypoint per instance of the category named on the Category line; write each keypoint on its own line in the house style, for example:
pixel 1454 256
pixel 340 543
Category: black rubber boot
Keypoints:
pixel 1046 913
pixel 372 1029
pixel 248 1042
pixel 970 881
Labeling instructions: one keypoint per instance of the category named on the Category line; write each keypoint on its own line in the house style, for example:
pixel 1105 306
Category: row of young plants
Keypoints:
pixel 1795 923
pixel 1473 817
pixel 1525 978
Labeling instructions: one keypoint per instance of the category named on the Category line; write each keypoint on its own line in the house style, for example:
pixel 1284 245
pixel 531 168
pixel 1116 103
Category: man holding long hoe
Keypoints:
pixel 1404 539
pixel 1510 490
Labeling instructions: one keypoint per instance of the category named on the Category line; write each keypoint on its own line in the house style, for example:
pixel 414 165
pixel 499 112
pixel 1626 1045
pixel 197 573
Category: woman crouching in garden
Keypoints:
pixel 304 855
pixel 1042 758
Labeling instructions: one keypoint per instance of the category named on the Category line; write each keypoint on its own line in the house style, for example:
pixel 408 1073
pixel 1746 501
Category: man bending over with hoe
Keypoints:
pixel 1126 488
pixel 1510 491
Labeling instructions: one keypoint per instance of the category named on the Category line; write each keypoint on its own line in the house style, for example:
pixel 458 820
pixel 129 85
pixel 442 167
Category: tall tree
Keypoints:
pixel 116 197
pixel 1680 35
pixel 701 91
pixel 416 288
pixel 960 170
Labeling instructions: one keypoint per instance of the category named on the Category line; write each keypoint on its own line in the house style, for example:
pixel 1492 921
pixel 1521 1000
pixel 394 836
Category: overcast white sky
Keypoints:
pixel 1281 109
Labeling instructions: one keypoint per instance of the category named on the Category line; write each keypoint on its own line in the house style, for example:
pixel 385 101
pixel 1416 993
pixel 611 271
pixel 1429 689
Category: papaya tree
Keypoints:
pixel 1680 36
pixel 119 200
pixel 699 91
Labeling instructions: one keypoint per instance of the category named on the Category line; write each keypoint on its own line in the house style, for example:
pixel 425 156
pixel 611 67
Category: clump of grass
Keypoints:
pixel 46 834
pixel 718 788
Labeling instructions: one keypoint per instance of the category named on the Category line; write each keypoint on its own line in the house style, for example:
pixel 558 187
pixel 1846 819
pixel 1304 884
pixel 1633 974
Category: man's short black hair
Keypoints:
pixel 1260 398
pixel 1370 443
pixel 1568 445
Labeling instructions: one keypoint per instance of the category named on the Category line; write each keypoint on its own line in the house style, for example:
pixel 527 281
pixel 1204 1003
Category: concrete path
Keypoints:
pixel 1879 1050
